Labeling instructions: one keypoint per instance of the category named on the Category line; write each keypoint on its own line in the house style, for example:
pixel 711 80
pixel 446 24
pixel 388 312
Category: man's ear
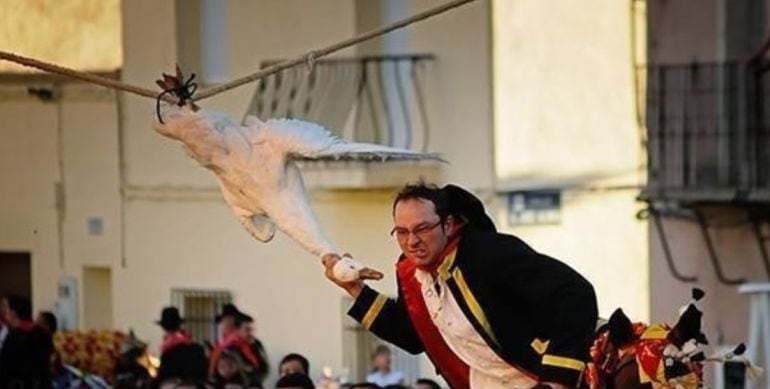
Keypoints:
pixel 451 225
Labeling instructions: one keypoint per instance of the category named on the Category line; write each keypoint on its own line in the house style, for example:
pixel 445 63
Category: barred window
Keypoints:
pixel 199 309
pixel 358 345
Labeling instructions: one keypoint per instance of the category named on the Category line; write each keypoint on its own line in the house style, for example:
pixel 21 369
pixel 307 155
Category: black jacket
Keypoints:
pixel 25 359
pixel 534 311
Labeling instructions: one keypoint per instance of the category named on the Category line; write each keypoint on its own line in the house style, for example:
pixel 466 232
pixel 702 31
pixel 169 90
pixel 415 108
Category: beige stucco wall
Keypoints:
pixel 169 228
pixel 73 33
pixel 725 310
pixel 565 119
pixel 70 143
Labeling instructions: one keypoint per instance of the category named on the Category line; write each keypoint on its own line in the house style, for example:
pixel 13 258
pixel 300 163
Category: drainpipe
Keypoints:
pixel 213 41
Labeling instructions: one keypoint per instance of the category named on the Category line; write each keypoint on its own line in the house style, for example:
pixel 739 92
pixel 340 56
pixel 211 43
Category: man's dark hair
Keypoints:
pixel 241 319
pixel 296 357
pixel 50 321
pixel 365 385
pixel 295 380
pixel 429 192
pixel 429 382
pixel 21 306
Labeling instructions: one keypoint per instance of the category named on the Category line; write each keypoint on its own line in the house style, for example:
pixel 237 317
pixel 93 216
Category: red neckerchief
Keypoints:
pixel 174 339
pixel 25 325
pixel 235 341
pixel 449 365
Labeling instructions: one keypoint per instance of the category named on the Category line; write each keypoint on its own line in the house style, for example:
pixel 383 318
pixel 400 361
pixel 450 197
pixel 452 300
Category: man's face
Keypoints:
pixel 226 367
pixel 247 330
pixel 382 361
pixel 290 367
pixel 419 231
pixel 226 325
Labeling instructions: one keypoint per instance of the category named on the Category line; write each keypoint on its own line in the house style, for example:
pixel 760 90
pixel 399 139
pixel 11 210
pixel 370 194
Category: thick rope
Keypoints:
pixel 308 59
pixel 84 76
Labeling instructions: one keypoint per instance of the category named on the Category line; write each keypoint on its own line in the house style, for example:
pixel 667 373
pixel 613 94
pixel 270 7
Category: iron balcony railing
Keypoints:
pixel 707 128
pixel 376 99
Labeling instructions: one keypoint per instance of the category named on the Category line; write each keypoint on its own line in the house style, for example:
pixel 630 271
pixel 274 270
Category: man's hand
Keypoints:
pixel 353 287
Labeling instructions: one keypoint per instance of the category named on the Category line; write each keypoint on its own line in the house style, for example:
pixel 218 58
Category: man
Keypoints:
pixel 383 374
pixel 295 381
pixel 181 359
pixel 26 353
pixel 247 329
pixel 293 363
pixel 489 311
pixel 47 321
pixel 235 341
pixel 426 383
pixel 225 321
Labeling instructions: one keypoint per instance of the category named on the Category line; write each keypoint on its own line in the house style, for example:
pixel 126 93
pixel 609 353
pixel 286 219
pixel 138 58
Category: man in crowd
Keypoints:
pixel 294 363
pixel 243 353
pixel 25 359
pixel 181 359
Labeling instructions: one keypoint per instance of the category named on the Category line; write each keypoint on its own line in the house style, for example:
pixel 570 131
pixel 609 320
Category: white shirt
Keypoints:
pixel 487 370
pixel 385 379
pixel 3 334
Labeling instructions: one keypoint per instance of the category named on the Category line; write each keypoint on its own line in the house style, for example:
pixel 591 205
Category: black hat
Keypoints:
pixel 170 318
pixel 228 310
pixel 467 207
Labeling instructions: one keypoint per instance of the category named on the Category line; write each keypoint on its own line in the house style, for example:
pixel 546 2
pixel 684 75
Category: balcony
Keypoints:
pixel 707 132
pixel 374 99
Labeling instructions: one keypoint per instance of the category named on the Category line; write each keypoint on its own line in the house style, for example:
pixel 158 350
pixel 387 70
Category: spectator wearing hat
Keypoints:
pixel 181 359
pixel 234 340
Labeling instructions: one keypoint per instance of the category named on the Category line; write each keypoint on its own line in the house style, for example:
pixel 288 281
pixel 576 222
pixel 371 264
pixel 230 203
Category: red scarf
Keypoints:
pixel 234 341
pixel 25 325
pixel 450 366
pixel 174 339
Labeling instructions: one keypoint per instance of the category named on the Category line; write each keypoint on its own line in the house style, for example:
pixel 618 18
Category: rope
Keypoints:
pixel 84 76
pixel 308 59
pixel 206 93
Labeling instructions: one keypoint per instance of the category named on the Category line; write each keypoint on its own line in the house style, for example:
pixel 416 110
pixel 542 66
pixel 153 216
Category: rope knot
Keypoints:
pixel 176 86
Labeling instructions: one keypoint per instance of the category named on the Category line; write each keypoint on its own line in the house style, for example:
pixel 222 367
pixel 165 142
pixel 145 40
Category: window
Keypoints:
pixel 534 207
pixel 358 345
pixel 199 308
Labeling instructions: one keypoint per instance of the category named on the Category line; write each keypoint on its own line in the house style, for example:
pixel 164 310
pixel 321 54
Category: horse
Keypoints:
pixel 627 355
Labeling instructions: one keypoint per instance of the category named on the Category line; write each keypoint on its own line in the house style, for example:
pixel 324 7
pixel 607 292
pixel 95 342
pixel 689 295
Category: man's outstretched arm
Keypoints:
pixel 385 317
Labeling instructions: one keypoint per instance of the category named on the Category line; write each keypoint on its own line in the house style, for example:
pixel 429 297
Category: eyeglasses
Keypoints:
pixel 402 234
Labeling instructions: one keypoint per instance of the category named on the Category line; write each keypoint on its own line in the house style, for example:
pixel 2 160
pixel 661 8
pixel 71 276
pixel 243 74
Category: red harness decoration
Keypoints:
pixel 449 365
